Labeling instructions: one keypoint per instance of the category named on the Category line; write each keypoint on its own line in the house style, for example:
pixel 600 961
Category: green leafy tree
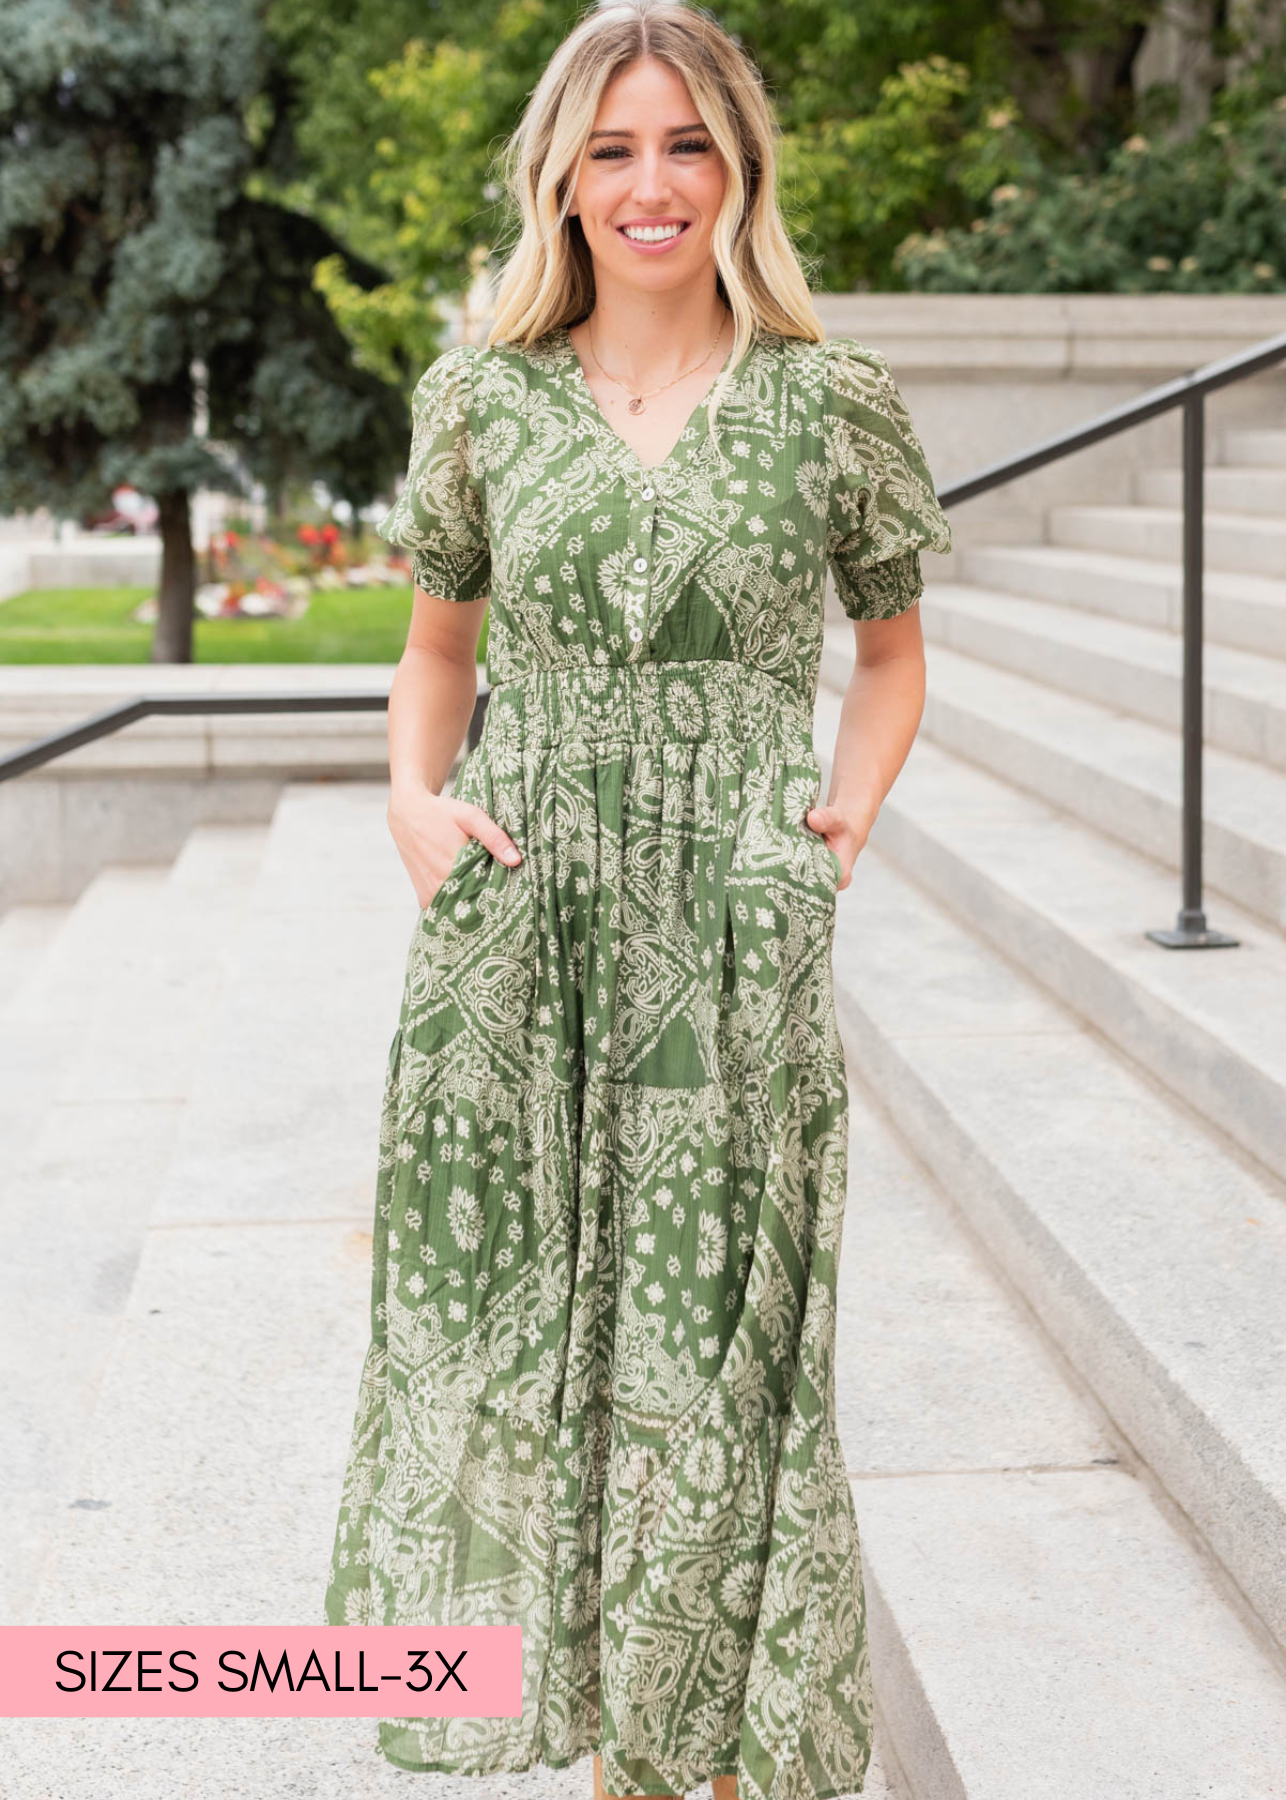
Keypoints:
pixel 1205 215
pixel 897 116
pixel 405 107
pixel 900 120
pixel 142 273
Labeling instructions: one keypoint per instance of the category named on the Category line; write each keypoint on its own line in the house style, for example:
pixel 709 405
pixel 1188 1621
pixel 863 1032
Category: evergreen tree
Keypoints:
pixel 137 260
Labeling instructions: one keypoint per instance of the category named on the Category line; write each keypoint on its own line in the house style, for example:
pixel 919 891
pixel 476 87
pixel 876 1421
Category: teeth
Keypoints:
pixel 652 234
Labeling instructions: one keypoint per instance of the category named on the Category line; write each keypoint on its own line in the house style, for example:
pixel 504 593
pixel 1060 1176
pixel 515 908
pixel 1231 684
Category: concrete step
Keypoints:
pixel 1242 489
pixel 1033 1607
pixel 26 932
pixel 325 944
pixel 1129 668
pixel 1042 1634
pixel 1153 1253
pixel 102 934
pixel 1233 541
pixel 77 1200
pixel 1121 775
pixel 1070 907
pixel 97 950
pixel 27 1059
pixel 150 1052
pixel 174 1126
pixel 1258 447
pixel 1024 1569
pixel 1246 612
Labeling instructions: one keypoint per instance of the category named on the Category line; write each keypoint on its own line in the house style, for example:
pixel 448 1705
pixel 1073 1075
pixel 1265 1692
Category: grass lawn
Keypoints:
pixel 93 625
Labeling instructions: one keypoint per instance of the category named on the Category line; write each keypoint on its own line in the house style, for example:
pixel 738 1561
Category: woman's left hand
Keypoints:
pixel 839 835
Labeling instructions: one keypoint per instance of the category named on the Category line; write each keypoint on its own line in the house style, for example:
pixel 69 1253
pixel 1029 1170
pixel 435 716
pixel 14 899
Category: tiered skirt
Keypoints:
pixel 598 1400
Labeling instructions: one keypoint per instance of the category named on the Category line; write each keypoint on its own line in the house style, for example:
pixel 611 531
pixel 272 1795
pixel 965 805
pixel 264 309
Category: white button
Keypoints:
pixel 640 563
pixel 649 493
pixel 636 633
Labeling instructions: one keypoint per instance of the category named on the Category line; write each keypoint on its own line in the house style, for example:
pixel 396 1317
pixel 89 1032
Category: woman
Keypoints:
pixel 598 1400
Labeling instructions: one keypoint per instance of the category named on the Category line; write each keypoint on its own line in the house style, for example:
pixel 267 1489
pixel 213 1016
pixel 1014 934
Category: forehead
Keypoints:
pixel 647 93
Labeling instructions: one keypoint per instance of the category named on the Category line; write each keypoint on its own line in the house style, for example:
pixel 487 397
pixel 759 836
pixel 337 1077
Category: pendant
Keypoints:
pixel 636 404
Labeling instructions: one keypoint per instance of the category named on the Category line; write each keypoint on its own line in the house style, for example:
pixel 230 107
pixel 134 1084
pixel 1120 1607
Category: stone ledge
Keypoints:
pixel 39 699
pixel 1151 336
pixel 134 795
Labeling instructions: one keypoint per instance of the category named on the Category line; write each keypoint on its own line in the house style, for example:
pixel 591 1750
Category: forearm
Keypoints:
pixel 430 704
pixel 881 713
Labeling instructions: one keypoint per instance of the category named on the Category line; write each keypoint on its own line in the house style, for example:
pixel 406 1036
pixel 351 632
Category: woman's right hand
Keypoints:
pixel 429 830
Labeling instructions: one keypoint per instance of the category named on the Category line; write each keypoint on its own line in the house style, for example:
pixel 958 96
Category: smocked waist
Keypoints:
pixel 660 701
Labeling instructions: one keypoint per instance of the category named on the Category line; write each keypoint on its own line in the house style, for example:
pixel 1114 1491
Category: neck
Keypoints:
pixel 646 339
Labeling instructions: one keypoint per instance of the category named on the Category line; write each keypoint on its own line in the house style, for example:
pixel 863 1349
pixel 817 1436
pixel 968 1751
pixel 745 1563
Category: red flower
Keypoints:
pixel 307 534
pixel 329 533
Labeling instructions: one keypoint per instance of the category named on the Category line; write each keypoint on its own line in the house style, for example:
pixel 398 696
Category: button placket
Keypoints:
pixel 636 607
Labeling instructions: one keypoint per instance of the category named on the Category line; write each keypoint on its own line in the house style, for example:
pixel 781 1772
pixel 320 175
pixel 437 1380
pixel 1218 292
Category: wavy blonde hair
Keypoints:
pixel 548 278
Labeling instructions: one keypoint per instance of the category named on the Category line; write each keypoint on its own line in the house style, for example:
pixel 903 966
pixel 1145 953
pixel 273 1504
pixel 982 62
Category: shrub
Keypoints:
pixel 1204 216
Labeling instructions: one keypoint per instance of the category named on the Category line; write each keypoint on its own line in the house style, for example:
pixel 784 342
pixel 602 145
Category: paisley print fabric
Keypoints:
pixel 598 1400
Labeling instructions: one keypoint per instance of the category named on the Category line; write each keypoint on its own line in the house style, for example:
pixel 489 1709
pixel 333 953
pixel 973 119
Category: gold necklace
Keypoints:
pixel 636 404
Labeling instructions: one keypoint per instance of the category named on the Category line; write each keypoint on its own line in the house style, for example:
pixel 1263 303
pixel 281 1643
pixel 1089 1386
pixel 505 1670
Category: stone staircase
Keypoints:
pixel 186 1216
pixel 1061 1366
pixel 1077 1544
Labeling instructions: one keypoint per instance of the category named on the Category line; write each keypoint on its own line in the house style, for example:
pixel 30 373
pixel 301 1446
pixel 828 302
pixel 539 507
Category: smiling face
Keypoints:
pixel 650 183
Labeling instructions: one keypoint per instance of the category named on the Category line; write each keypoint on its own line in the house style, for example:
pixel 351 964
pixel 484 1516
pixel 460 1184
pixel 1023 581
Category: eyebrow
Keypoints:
pixel 670 132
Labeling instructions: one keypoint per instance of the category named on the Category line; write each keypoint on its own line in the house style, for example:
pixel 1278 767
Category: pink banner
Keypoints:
pixel 293 1671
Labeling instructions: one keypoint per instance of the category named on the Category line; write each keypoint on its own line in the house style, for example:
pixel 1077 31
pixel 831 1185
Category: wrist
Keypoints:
pixel 407 789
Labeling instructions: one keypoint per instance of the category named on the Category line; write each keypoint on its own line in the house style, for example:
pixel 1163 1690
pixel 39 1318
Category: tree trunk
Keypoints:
pixel 172 638
pixel 1180 48
pixel 1076 88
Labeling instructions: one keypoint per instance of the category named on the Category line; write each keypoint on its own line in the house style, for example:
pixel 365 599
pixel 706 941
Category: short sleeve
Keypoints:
pixel 440 515
pixel 882 508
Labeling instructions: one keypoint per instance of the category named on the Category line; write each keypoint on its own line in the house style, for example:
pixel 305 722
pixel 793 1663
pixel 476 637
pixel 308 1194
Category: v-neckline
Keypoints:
pixel 577 379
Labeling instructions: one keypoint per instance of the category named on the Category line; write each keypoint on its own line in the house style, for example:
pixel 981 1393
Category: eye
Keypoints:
pixel 686 145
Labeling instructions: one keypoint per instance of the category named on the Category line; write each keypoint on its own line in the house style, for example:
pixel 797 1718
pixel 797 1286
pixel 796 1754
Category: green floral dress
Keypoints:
pixel 598 1400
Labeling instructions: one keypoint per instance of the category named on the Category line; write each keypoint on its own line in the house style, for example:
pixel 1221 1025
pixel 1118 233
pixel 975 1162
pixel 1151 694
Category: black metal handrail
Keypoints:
pixel 1183 389
pixel 1188 391
pixel 98 725
pixel 1190 930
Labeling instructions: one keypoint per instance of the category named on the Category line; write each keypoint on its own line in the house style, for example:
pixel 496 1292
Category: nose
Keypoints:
pixel 651 179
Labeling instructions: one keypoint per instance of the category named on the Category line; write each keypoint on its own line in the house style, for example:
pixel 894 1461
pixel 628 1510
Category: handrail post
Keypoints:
pixel 1190 931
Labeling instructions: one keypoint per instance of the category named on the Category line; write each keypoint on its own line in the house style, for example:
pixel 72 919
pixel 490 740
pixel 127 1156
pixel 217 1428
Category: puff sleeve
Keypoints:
pixel 440 515
pixel 882 508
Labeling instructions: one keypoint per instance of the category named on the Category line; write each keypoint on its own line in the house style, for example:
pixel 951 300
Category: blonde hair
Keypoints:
pixel 548 278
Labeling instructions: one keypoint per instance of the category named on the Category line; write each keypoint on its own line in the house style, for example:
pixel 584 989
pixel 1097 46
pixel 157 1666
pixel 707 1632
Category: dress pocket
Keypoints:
pixel 774 840
pixel 461 859
pixel 831 861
